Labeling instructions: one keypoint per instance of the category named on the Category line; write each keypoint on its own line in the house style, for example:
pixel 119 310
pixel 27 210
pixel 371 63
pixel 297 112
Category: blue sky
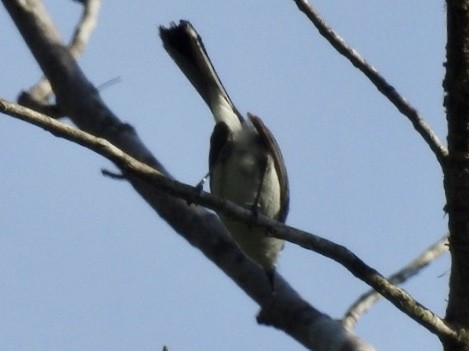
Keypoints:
pixel 85 264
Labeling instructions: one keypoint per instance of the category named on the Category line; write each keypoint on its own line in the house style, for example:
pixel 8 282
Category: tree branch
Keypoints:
pixel 379 81
pixel 365 301
pixel 37 96
pixel 135 169
pixel 78 99
pixel 285 309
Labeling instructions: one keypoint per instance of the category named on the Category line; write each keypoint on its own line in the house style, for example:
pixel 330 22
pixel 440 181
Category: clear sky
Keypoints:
pixel 85 264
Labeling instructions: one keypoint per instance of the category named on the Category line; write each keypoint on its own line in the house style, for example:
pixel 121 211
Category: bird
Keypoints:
pixel 246 165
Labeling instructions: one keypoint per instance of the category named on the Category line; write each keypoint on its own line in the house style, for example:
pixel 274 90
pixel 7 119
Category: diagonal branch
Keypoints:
pixel 39 94
pixel 133 168
pixel 365 301
pixel 285 309
pixel 80 101
pixel 379 81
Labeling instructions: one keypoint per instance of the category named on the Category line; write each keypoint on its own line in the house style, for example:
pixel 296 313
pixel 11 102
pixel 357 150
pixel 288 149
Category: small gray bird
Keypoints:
pixel 245 162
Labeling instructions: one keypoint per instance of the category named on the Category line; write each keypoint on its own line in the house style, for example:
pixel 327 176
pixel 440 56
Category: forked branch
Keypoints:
pixel 38 95
pixel 365 301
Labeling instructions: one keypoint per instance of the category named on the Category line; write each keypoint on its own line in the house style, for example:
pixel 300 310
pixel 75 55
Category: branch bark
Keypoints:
pixel 456 172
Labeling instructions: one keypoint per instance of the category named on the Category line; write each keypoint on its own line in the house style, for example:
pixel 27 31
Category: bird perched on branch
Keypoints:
pixel 245 162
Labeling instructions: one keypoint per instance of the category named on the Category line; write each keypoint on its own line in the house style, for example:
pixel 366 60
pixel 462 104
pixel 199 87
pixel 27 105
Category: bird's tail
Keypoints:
pixel 185 46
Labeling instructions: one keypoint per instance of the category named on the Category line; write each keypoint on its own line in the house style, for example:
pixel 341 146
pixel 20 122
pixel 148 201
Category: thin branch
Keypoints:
pixel 379 81
pixel 85 27
pixel 365 301
pixel 132 167
pixel 37 96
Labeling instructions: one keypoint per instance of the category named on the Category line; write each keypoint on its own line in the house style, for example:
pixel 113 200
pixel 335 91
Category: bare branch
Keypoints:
pixel 39 94
pixel 379 81
pixel 80 100
pixel 85 28
pixel 133 168
pixel 365 301
pixel 285 309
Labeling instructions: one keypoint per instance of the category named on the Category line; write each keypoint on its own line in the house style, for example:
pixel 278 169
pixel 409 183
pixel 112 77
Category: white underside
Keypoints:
pixel 238 180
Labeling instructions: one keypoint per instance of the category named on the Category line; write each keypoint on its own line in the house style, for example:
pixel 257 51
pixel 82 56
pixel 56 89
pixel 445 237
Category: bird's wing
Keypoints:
pixel 271 144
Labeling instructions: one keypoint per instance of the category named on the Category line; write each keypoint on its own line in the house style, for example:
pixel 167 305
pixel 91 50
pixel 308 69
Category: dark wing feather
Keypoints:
pixel 218 144
pixel 274 150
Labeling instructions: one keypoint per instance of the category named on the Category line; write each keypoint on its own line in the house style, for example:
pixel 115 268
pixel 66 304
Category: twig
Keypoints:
pixel 365 301
pixel 381 84
pixel 397 296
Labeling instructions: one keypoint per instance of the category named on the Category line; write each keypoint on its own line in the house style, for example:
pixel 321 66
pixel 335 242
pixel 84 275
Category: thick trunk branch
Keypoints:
pixel 456 170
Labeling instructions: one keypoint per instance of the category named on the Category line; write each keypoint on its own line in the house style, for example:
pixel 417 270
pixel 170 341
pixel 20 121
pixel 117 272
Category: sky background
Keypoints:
pixel 85 263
